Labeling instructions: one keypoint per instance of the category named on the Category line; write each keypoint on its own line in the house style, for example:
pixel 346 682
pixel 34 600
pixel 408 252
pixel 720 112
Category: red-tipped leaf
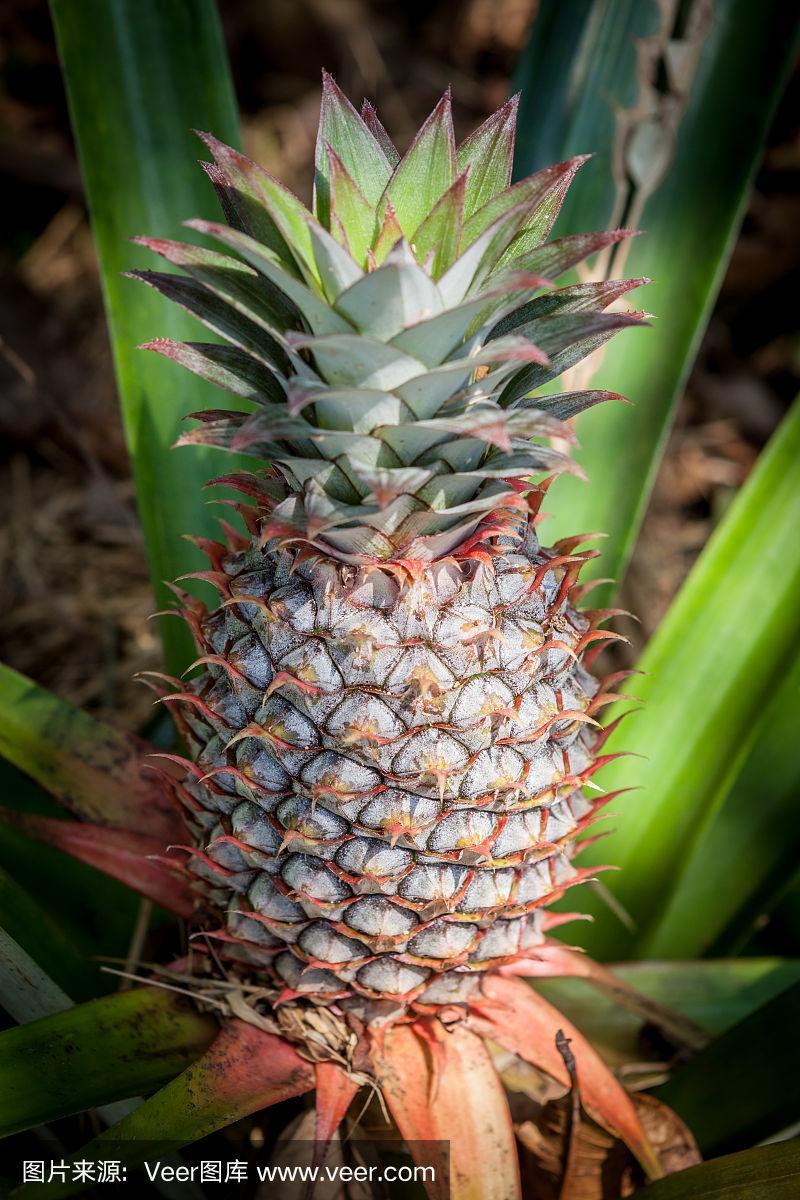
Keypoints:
pixel 521 1021
pixel 132 858
pixel 441 1086
pixel 335 1091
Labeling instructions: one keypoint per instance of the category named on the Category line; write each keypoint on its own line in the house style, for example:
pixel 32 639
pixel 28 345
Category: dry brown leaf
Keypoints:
pixel 595 1166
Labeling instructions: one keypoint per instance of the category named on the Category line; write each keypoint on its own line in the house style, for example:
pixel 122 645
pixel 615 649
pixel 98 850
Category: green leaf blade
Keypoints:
pixel 732 1093
pixel 139 79
pixel 61 1064
pixel 715 994
pixel 342 129
pixel 91 768
pixel 28 929
pixel 710 670
pixel 747 850
pixel 426 171
pixel 682 173
pixel 489 153
pixel 768 1171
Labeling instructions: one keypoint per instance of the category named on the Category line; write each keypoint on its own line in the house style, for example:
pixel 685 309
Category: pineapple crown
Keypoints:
pixel 388 343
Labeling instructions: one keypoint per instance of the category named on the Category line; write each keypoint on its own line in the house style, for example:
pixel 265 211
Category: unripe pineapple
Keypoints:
pixel 394 726
pixel 395 723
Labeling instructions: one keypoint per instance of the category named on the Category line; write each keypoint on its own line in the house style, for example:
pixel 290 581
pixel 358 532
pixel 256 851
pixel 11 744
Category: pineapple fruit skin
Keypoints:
pixel 404 796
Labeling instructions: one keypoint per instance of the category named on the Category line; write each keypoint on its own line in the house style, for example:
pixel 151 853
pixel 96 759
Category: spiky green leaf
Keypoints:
pixel 427 169
pixel 744 854
pixel 489 154
pixel 767 1171
pixel 91 768
pixel 715 994
pixel 341 128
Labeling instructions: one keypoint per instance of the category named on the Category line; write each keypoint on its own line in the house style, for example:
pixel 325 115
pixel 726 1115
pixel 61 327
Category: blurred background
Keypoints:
pixel 73 578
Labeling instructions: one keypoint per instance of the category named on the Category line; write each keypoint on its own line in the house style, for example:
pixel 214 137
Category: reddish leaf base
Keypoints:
pixel 436 1076
pixel 135 859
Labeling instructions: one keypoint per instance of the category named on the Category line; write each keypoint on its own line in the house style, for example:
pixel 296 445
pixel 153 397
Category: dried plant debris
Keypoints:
pixel 564 1155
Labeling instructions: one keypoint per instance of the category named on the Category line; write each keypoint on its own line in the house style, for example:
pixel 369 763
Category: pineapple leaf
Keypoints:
pixel 31 929
pixel 243 207
pixel 513 1015
pixel 353 220
pixel 243 1071
pixel 356 147
pixel 426 171
pixel 703 912
pixel 772 1171
pixel 564 405
pixel 715 994
pixel 474 264
pixel 337 269
pixel 92 769
pixel 423 1073
pixel 489 153
pixel 349 360
pixel 398 293
pixel 233 281
pixel 741 596
pixel 334 1092
pixel 134 859
pixel 554 258
pixel 226 367
pixel 389 234
pixel 565 339
pixel 437 240
pixel 581 297
pixel 26 990
pixel 290 216
pixel 540 197
pixel 319 315
pixel 96 1053
pixel 435 338
pixel 94 913
pixel 731 1093
pixel 587 68
pixel 150 76
pixel 374 125
pixel 216 315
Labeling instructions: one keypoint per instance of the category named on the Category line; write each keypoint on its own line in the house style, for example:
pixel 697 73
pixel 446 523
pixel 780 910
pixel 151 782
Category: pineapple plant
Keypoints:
pixel 392 724
pixel 392 721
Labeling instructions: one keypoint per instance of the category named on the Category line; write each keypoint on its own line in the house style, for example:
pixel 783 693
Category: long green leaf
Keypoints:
pixel 92 911
pixel 99 773
pixel 139 78
pixel 96 771
pixel 766 1173
pixel 715 994
pixel 243 1071
pixel 710 672
pixel 28 930
pixel 745 1086
pixel 744 856
pixel 93 1054
pixel 675 100
pixel 26 991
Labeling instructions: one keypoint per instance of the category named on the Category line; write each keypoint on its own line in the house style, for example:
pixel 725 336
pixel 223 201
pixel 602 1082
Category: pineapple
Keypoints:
pixel 394 722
